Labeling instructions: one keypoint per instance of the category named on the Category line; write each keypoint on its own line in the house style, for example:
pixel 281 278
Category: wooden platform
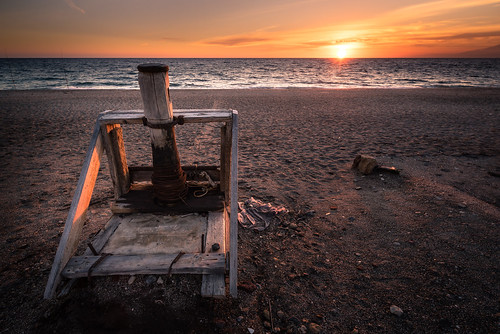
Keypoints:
pixel 149 243
pixel 195 236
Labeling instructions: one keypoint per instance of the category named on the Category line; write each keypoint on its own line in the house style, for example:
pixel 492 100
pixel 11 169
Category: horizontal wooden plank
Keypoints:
pixel 156 264
pixel 190 116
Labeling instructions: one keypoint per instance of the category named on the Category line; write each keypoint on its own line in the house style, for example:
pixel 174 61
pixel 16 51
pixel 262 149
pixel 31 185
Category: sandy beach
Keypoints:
pixel 425 240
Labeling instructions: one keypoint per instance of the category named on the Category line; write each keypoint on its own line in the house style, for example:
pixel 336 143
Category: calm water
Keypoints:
pixel 121 73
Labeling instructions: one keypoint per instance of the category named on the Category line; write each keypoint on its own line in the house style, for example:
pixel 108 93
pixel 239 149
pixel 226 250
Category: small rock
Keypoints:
pixel 131 280
pixel 293 226
pixel 462 205
pixel 314 328
pixel 396 310
pixel 303 329
pixel 150 280
pixel 364 164
pixel 280 314
pixel 395 243
pixel 251 330
pixel 358 188
pixel 159 281
pixel 240 319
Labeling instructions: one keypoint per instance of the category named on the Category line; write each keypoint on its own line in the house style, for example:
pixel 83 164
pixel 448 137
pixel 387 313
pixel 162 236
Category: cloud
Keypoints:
pixel 173 39
pixel 72 4
pixel 474 35
pixel 318 44
pixel 237 41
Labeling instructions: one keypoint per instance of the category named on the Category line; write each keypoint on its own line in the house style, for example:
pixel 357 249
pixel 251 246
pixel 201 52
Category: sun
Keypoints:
pixel 341 51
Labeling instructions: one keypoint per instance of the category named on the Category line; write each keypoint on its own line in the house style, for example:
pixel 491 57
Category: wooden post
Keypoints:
pixel 233 244
pixel 115 150
pixel 169 180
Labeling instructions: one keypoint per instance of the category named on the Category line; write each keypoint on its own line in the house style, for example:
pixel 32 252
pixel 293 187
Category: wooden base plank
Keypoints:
pixel 213 286
pixel 155 264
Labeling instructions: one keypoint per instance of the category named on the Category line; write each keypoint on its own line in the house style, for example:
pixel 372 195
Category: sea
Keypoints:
pixel 231 73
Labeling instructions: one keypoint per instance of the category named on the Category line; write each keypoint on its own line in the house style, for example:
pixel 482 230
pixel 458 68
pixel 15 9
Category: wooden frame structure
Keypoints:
pixel 218 251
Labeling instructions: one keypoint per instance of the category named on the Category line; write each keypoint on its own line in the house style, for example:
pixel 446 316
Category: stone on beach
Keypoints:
pixel 365 164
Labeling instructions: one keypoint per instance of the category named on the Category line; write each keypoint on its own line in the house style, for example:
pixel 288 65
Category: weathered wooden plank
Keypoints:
pixel 233 246
pixel 76 216
pixel 155 264
pixel 103 236
pixel 227 152
pixel 157 234
pixel 215 233
pixel 190 116
pixel 115 150
pixel 215 285
pixel 99 241
pixel 223 166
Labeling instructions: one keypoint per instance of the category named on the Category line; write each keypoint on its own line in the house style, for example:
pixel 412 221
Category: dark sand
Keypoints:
pixel 426 240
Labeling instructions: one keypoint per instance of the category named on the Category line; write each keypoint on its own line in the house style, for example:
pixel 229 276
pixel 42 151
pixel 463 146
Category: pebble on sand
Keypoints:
pixel 396 310
pixel 314 328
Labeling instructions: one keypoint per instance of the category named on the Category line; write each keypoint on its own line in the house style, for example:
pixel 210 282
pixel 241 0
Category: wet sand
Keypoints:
pixel 425 240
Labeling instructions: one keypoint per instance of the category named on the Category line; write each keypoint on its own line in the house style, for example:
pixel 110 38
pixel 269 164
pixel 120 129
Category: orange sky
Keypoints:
pixel 253 28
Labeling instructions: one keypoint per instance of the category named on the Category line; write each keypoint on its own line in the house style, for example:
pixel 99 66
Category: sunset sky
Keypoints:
pixel 253 28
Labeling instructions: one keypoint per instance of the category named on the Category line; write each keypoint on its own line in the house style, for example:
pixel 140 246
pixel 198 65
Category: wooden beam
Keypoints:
pixel 76 216
pixel 189 115
pixel 233 237
pixel 226 151
pixel 155 264
pixel 215 285
pixel 115 151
